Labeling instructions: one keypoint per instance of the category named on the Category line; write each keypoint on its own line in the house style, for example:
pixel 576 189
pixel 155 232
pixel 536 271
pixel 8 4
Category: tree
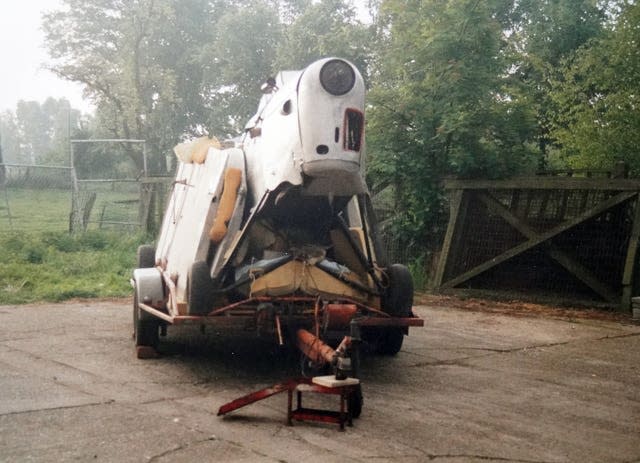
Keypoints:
pixel 10 138
pixel 543 34
pixel 597 98
pixel 137 61
pixel 162 70
pixel 326 28
pixel 64 122
pixel 39 133
pixel 440 105
pixel 33 125
pixel 238 59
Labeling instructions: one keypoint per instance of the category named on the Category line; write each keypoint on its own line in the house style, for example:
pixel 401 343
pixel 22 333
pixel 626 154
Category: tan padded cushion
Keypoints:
pixel 196 150
pixel 232 179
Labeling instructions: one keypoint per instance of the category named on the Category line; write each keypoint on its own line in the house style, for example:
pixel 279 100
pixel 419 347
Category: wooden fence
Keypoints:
pixel 575 237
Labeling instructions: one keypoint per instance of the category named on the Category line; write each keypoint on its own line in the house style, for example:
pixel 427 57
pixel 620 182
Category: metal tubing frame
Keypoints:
pixel 217 317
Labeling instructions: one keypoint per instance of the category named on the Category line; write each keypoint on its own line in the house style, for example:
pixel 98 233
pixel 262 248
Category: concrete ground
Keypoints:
pixel 470 386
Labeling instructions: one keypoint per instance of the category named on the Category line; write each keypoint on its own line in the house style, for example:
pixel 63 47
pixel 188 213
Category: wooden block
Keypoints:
pixel 331 381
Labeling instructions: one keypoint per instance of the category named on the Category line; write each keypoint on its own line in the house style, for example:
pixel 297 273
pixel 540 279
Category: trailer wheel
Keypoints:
pixel 397 301
pixel 145 332
pixel 354 402
pixel 389 341
pixel 146 256
pixel 398 298
pixel 200 289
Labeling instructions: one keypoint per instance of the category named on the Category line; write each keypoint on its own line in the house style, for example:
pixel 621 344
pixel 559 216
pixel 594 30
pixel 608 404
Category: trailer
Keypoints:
pixel 273 233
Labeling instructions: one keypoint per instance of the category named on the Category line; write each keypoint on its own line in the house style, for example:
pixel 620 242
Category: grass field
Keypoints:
pixel 41 261
pixel 36 210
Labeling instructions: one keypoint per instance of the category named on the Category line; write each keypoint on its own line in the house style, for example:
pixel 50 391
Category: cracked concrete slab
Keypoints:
pixel 470 386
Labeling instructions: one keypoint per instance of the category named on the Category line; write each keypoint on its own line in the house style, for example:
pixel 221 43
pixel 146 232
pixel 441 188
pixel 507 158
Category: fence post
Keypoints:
pixel 630 260
pixel 3 184
pixel 459 200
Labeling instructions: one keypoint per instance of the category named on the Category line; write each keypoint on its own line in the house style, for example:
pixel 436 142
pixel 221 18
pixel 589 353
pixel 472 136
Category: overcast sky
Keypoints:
pixel 22 55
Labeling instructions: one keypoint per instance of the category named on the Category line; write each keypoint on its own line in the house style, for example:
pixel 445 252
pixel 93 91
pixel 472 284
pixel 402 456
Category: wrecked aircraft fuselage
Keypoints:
pixel 276 235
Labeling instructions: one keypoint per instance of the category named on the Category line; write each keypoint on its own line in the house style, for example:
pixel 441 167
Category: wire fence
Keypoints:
pixel 106 175
pixel 49 198
pixel 37 198
pixel 100 189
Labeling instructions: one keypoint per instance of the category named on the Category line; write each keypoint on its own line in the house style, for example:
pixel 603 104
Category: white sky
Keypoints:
pixel 22 54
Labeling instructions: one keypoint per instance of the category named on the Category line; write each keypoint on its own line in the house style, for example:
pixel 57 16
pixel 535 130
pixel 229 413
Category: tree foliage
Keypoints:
pixel 441 105
pixel 137 61
pixel 471 88
pixel 597 99
pixel 38 133
pixel 326 28
pixel 238 59
pixel 9 138
pixel 543 34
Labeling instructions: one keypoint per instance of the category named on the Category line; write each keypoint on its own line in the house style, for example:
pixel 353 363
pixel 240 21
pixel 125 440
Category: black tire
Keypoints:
pixel 398 298
pixel 200 289
pixel 146 256
pixel 354 402
pixel 145 332
pixel 397 301
pixel 389 341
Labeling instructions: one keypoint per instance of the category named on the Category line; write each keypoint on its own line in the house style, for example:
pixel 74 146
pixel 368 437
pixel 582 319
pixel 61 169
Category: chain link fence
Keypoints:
pixel 35 198
pixel 106 187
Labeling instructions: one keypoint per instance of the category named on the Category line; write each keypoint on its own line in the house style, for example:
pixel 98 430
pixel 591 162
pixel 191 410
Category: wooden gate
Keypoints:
pixel 577 237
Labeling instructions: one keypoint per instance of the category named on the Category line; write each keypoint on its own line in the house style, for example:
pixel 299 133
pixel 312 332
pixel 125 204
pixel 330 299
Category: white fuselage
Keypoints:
pixel 307 136
pixel 304 135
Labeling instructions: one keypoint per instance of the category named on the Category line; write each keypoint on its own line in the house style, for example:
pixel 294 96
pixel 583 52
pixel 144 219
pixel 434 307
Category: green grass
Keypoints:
pixel 33 210
pixel 56 266
pixel 36 210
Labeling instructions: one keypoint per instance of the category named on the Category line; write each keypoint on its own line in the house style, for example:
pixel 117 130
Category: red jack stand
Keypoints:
pixel 321 384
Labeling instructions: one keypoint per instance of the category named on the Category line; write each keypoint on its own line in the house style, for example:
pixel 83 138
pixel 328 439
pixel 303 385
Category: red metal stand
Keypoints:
pixel 324 416
pixel 300 385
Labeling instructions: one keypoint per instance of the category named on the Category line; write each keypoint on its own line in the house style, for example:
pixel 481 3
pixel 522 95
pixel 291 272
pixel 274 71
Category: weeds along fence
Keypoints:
pixel 398 252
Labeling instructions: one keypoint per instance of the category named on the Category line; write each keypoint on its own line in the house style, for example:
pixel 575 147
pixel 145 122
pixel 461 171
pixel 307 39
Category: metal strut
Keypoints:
pixel 257 396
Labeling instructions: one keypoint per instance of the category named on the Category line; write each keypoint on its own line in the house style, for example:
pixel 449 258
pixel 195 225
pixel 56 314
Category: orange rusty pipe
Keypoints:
pixel 313 347
pixel 338 316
